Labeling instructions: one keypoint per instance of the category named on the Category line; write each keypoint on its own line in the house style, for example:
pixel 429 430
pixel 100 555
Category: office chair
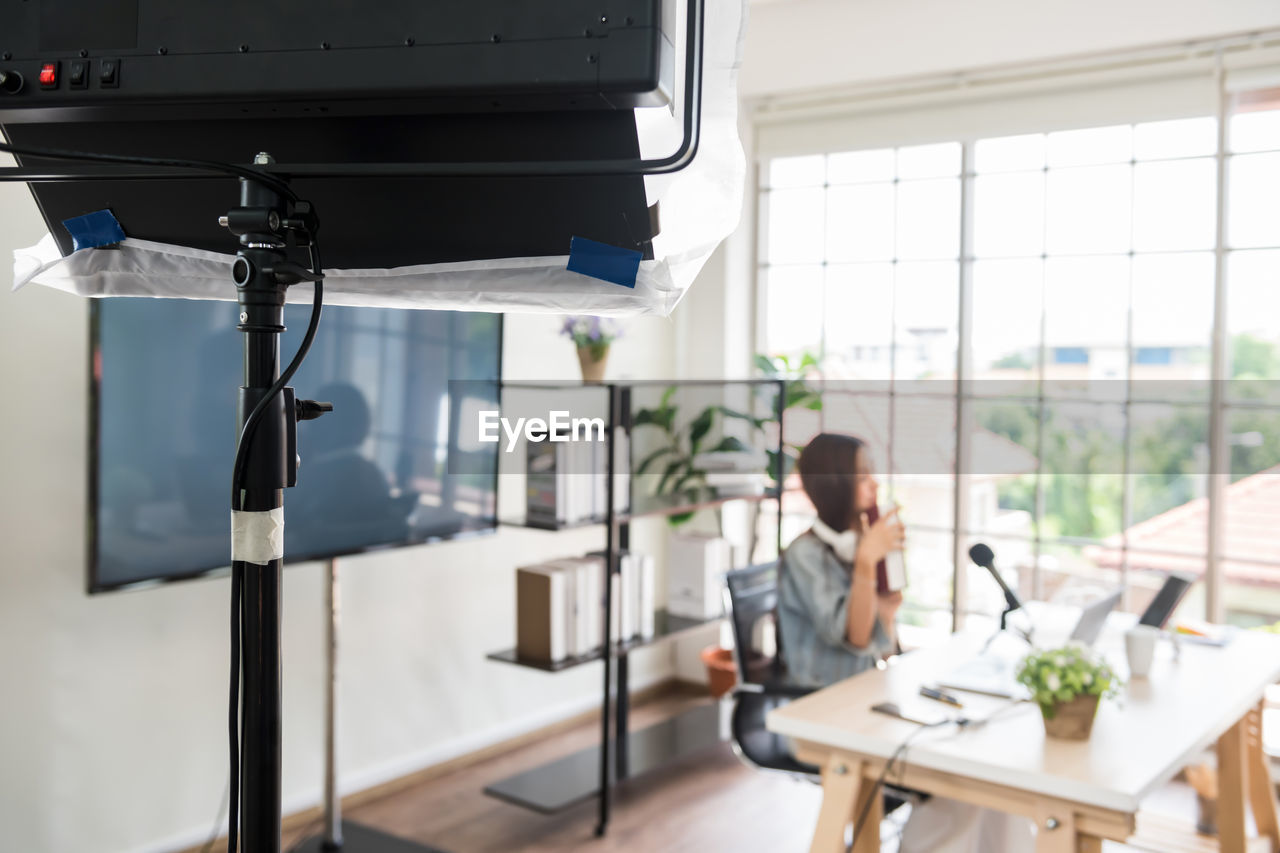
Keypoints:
pixel 750 600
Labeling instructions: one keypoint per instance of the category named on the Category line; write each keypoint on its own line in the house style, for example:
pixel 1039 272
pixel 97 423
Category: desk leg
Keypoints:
pixel 1262 797
pixel 1233 774
pixel 840 784
pixel 1056 830
pixel 869 836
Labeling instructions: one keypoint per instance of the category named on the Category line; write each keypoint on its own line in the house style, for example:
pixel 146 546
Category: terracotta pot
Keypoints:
pixel 593 367
pixel 1072 720
pixel 721 670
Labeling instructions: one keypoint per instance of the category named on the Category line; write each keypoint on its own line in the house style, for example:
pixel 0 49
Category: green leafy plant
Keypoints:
pixel 1059 675
pixel 798 394
pixel 673 461
pixel 675 457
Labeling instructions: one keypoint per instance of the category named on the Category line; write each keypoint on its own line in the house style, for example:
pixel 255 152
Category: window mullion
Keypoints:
pixel 1219 460
pixel 1126 451
pixel 964 414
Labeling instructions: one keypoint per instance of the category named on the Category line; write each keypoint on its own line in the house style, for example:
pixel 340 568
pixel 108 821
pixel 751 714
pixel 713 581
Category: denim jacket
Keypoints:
pixel 813 615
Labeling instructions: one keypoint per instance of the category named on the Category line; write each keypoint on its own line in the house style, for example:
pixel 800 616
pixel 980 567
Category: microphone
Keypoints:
pixel 982 555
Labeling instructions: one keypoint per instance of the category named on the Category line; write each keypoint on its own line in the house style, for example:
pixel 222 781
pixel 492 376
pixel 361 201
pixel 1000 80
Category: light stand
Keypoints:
pixel 341 834
pixel 262 272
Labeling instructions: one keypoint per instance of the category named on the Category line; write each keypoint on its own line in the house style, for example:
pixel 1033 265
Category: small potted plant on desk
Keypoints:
pixel 1067 684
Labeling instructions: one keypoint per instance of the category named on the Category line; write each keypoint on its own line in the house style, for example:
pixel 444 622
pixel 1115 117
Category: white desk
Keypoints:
pixel 1077 792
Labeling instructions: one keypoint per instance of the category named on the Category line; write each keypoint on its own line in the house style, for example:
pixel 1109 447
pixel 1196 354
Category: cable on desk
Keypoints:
pixel 961 724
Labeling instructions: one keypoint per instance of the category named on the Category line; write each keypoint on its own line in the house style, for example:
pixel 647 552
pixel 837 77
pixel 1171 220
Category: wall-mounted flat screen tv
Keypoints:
pixel 373 472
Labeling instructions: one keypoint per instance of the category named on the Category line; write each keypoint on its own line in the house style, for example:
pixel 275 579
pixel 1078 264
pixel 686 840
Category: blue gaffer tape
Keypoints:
pixel 602 261
pixel 92 230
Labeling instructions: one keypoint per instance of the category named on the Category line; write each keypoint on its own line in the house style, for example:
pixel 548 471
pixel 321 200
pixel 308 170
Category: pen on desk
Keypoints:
pixel 940 696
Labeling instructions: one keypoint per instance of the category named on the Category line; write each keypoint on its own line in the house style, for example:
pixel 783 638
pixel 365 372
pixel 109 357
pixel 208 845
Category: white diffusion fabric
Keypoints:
pixel 698 207
pixel 526 285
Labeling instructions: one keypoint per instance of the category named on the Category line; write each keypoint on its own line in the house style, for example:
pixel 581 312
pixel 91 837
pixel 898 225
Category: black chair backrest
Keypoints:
pixel 751 601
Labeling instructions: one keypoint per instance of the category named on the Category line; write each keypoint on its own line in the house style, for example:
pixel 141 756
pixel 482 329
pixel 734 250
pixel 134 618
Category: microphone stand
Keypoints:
pixel 1011 603
pixel 1024 634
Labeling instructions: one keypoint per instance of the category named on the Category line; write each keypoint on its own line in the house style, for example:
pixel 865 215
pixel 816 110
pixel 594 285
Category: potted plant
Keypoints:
pixel 1067 683
pixel 798 394
pixel 679 447
pixel 592 335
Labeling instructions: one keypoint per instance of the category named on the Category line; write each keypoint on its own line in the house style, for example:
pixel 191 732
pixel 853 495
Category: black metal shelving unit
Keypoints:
pixel 621 753
pixel 666 625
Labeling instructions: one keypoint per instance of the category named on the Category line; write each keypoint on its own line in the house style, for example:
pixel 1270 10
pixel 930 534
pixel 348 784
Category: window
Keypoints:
pixel 1070 355
pixel 1250 579
pixel 1153 355
pixel 1077 441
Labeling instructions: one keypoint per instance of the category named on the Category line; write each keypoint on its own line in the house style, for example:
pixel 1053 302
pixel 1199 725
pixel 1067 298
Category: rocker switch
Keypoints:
pixel 109 73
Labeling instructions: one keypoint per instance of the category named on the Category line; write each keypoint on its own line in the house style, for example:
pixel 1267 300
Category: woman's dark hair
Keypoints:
pixel 828 468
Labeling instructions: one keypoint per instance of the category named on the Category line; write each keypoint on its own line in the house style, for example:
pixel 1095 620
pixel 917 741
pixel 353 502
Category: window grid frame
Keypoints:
pixel 1218 408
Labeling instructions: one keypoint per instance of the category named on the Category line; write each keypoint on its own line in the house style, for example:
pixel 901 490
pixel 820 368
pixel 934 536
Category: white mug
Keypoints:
pixel 1140 647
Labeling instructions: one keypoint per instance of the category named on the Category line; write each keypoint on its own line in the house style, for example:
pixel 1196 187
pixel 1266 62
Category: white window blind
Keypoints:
pixel 1140 87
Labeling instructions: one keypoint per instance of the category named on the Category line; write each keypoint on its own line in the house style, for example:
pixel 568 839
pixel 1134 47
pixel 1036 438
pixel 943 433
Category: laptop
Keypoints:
pixel 993 674
pixel 1093 618
pixel 1166 600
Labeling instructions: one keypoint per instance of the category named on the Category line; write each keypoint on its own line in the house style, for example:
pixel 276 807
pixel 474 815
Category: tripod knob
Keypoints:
pixel 309 410
pixel 288 272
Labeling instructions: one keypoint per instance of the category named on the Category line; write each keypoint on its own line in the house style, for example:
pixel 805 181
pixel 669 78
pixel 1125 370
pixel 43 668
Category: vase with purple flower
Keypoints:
pixel 592 336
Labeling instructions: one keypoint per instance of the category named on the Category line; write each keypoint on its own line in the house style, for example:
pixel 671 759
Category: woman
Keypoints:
pixel 833 623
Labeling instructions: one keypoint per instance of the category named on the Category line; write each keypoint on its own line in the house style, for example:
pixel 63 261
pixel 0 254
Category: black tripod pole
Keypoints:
pixel 258 514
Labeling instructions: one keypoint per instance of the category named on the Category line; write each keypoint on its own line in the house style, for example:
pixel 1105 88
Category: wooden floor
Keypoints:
pixel 706 803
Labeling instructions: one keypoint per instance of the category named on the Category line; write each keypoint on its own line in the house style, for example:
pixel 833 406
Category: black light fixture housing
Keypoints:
pixel 420 94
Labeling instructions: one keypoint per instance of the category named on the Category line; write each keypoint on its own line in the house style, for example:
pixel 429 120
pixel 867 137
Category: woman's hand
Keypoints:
pixel 887 611
pixel 888 605
pixel 878 539
pixel 865 605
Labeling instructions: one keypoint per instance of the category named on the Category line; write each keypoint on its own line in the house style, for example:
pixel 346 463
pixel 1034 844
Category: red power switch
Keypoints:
pixel 49 75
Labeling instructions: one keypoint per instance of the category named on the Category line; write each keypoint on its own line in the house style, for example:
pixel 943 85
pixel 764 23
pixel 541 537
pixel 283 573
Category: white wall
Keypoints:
pixel 112 722
pixel 813 44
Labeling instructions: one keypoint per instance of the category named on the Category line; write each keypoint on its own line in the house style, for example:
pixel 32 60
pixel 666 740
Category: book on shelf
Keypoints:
pixel 752 460
pixel 621 469
pixel 541 613
pixel 635 590
pixel 736 482
pixel 587 574
pixel 697 563
pixel 646 595
pixel 634 604
pixel 560 604
pixel 627 604
pixel 567 481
